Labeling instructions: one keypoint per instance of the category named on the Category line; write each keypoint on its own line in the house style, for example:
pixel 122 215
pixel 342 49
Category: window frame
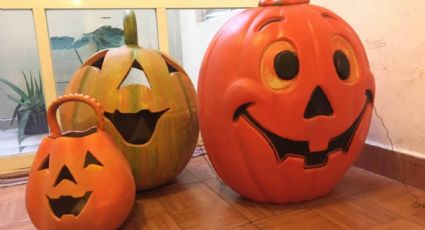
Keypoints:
pixel 20 164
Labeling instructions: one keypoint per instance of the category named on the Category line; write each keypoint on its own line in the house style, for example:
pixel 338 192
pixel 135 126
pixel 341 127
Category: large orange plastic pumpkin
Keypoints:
pixel 155 124
pixel 79 180
pixel 285 99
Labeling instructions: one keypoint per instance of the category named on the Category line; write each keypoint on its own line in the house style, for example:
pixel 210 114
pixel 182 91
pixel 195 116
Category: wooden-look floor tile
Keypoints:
pixel 248 208
pixel 298 219
pixel 13 211
pixel 196 200
pixel 358 180
pixel 158 222
pixel 199 168
pixel 335 193
pixel 195 206
pixel 400 224
pixel 418 217
pixel 394 197
pixel 185 177
pixel 13 192
pixel 146 209
pixel 19 225
pixel 352 213
pixel 249 226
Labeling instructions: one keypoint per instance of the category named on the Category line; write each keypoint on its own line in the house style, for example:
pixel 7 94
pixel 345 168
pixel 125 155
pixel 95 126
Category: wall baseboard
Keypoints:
pixel 399 166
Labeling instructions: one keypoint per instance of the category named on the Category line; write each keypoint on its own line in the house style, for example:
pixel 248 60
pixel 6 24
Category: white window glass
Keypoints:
pixel 190 32
pixel 77 34
pixel 22 108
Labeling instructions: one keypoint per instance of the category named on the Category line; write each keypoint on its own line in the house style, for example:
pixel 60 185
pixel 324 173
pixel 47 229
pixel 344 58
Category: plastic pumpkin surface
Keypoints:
pixel 79 179
pixel 285 101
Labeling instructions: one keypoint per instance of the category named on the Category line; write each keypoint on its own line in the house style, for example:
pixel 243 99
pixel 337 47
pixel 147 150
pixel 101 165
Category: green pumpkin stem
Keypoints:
pixel 130 28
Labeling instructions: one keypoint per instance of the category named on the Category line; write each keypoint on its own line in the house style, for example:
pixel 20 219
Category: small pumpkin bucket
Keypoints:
pixel 79 179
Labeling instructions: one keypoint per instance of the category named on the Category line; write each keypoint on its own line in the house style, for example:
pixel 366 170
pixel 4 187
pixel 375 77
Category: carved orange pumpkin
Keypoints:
pixel 285 101
pixel 156 124
pixel 79 180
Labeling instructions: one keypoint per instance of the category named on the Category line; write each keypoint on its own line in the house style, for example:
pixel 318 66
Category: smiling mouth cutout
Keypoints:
pixel 284 147
pixel 68 205
pixel 135 128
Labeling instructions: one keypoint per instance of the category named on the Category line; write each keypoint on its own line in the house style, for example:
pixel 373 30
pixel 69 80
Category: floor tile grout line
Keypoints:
pixel 166 212
pixel 228 203
pixel 317 213
pixel 392 182
pixel 361 201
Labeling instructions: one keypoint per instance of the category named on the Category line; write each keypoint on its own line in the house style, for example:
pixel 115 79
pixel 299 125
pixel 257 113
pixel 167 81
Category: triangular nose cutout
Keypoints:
pixel 64 174
pixel 318 105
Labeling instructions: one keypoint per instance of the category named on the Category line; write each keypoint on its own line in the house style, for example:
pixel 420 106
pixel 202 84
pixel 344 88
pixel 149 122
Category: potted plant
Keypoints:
pixel 30 110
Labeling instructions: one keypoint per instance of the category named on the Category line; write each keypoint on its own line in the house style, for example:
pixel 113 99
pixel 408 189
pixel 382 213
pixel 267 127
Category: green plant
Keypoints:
pixel 29 102
pixel 103 37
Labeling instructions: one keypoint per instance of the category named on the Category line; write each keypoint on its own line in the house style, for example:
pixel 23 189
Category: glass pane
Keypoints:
pixel 77 34
pixel 19 57
pixel 190 32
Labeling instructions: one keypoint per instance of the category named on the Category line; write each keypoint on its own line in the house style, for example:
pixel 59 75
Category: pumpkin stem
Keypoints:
pixel 130 28
pixel 281 2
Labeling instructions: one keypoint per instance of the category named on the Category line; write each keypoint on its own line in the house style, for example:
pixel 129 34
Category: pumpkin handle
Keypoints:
pixel 55 130
pixel 130 28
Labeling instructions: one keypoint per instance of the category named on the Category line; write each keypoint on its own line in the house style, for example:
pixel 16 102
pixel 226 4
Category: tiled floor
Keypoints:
pixel 196 200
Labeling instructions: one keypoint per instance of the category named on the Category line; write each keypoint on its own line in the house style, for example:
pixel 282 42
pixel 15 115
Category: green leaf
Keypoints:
pixel 26 81
pixel 31 90
pixel 81 42
pixel 60 43
pixel 15 114
pixel 22 124
pixel 18 101
pixel 14 88
pixel 36 91
pixel 40 90
pixel 106 37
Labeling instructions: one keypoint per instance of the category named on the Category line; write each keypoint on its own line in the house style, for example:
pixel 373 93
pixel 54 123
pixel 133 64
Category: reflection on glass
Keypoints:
pixel 22 108
pixel 190 32
pixel 77 34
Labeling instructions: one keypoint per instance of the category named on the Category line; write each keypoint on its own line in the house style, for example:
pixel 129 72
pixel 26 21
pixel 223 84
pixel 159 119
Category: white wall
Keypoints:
pixel 393 33
pixel 195 38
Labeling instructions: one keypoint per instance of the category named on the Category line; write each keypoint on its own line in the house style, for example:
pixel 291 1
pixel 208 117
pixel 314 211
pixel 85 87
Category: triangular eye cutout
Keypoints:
pixel 45 163
pixel 91 160
pixel 99 63
pixel 171 69
pixel 97 59
pixel 135 76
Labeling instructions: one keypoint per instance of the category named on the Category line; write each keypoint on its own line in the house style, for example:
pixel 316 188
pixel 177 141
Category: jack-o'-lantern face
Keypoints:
pixel 69 204
pixel 75 186
pixel 79 180
pixel 149 103
pixel 296 103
